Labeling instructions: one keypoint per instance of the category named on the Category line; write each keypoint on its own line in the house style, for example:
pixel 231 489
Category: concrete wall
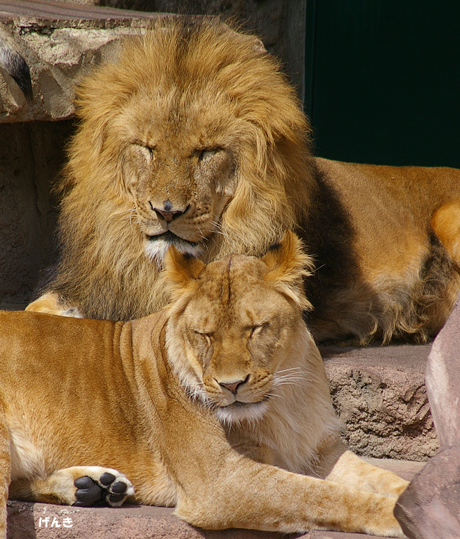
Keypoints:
pixel 31 155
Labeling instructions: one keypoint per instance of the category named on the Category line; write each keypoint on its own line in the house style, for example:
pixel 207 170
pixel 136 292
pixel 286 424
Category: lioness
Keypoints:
pixel 194 138
pixel 218 405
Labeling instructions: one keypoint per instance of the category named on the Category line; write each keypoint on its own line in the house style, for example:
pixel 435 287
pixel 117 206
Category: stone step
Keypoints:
pixel 45 521
pixel 60 42
pixel 55 10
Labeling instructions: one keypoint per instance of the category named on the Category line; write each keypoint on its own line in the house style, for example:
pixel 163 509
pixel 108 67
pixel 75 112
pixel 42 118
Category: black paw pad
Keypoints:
pixel 88 492
pixel 118 492
pixel 115 498
pixel 119 488
pixel 106 491
pixel 107 479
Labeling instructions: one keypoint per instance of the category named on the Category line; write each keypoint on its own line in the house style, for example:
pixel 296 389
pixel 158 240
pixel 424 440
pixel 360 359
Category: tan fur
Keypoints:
pixel 391 275
pixel 193 131
pixel 232 345
pixel 446 225
pixel 49 303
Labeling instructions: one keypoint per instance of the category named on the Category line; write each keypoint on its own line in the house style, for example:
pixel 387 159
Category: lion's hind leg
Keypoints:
pixel 446 225
pixel 78 485
pixel 352 471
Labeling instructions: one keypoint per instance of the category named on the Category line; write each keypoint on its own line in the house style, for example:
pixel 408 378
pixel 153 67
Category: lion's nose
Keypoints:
pixel 233 386
pixel 168 216
pixel 167 212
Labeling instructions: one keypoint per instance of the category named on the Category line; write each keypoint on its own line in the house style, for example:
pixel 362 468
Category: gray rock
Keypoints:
pixel 380 396
pixel 429 508
pixel 59 43
pixel 443 381
pixel 31 155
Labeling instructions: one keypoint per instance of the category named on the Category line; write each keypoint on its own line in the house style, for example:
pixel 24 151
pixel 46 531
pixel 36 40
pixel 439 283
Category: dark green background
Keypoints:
pixel 383 80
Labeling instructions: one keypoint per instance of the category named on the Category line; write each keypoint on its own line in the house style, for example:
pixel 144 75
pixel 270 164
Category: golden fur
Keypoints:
pixel 232 346
pixel 193 137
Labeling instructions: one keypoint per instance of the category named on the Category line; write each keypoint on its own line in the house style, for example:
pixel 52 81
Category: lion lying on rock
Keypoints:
pixel 218 405
pixel 194 138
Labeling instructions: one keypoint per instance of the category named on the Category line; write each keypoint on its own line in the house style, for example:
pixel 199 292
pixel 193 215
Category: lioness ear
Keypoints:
pixel 287 266
pixel 181 270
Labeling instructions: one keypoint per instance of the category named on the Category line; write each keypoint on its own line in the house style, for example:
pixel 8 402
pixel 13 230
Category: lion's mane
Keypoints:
pixel 103 269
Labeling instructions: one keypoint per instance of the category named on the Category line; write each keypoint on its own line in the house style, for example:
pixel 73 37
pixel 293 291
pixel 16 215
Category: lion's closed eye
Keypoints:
pixel 206 154
pixel 147 151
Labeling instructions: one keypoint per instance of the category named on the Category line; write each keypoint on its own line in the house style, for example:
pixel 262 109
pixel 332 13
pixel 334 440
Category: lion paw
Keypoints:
pixel 102 486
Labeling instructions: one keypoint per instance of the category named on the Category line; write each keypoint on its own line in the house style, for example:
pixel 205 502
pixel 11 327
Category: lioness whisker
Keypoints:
pixel 284 381
pixel 289 379
pixel 290 375
pixel 292 370
pixel 273 394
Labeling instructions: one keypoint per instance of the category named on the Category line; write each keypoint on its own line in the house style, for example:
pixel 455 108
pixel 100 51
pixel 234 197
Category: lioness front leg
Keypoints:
pixel 263 497
pixel 78 485
pixel 351 470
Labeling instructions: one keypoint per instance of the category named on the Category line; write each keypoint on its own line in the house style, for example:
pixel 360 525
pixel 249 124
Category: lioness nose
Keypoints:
pixel 233 386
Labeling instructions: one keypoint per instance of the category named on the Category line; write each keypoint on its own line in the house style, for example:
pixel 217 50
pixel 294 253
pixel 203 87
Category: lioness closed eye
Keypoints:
pixel 218 405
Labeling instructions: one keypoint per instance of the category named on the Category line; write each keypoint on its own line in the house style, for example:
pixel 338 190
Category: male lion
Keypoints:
pixel 218 405
pixel 194 138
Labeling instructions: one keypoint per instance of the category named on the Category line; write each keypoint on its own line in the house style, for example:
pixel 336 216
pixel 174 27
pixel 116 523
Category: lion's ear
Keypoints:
pixel 287 266
pixel 181 270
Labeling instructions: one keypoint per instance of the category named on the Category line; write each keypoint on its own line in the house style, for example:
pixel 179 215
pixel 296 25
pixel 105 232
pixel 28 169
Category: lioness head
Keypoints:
pixel 234 323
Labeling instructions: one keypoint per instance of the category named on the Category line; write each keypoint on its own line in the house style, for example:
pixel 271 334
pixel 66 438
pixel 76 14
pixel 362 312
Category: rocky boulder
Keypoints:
pixel 59 42
pixel 430 507
pixel 379 394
